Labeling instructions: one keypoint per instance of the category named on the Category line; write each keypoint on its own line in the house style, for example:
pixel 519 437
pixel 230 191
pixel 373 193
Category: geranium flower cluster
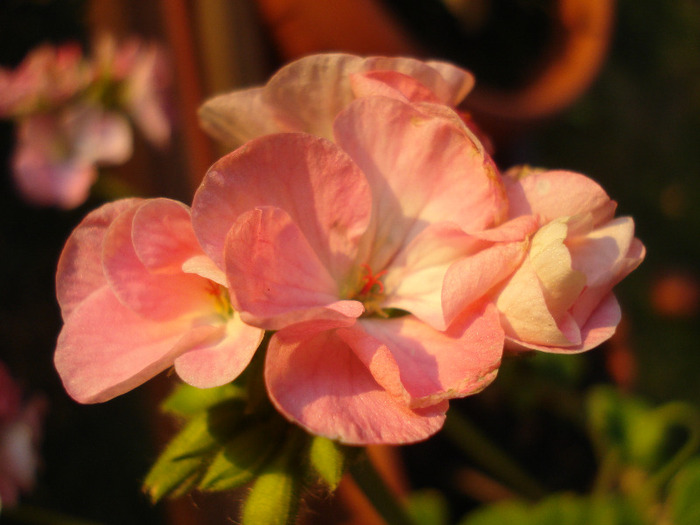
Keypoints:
pixel 72 114
pixel 363 224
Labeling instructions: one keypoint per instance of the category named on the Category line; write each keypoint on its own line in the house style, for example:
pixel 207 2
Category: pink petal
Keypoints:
pixel 154 295
pixel 450 84
pixel 274 275
pixel 414 281
pixel 308 93
pixel 306 176
pixel 105 349
pixel 204 267
pixel 494 255
pixel 320 384
pixel 79 271
pixel 600 327
pixel 408 357
pixel 554 194
pixel 525 316
pixel 421 169
pixel 207 366
pixel 390 84
pixel 237 117
pixel 163 237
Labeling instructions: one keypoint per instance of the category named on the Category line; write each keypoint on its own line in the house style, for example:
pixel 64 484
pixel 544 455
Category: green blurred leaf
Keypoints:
pixel 683 501
pixel 328 460
pixel 187 401
pixel 428 507
pixel 274 496
pixel 560 509
pixel 244 455
pixel 183 462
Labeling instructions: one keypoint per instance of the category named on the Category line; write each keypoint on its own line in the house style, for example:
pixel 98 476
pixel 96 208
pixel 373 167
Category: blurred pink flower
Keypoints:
pixel 20 433
pixel 141 72
pixel 560 298
pixel 307 94
pixel 343 248
pixel 47 78
pixel 138 295
pixel 55 158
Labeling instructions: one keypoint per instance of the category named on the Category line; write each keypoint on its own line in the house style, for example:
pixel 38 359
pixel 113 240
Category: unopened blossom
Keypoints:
pixel 343 247
pixel 560 299
pixel 307 94
pixel 138 295
pixel 20 433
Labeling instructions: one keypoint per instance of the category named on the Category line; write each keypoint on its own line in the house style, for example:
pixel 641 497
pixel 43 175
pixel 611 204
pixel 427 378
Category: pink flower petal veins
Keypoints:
pixel 305 176
pixel 422 169
pixel 319 383
pixel 275 274
pixel 79 270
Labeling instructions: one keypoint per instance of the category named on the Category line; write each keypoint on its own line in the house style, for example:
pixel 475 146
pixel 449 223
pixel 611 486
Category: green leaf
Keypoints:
pixel 560 509
pixel 683 501
pixel 328 459
pixel 187 401
pixel 244 455
pixel 428 507
pixel 183 462
pixel 274 496
pixel 178 468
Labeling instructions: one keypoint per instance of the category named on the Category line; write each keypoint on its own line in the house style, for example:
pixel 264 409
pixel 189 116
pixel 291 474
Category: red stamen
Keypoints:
pixel 371 280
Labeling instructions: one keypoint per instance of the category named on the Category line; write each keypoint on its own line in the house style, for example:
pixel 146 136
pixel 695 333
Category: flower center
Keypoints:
pixel 371 290
pixel 221 299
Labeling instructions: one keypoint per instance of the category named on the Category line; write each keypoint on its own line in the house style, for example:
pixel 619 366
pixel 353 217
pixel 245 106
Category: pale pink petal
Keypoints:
pixel 105 349
pixel 310 178
pixel 422 169
pixel 550 258
pixel 163 237
pixel 414 281
pixel 308 93
pixel 203 266
pixel 408 357
pixel 600 327
pixel 237 117
pixel 99 136
pixel 594 294
pixel 459 81
pixel 450 84
pixel 79 270
pixel 598 253
pixel 153 295
pixel 390 84
pixel 319 383
pixel 525 315
pixel 554 194
pixel 210 365
pixel 273 273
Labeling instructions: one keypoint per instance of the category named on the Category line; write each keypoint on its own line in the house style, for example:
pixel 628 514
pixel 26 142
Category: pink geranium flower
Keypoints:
pixel 20 433
pixel 560 298
pixel 307 94
pixel 343 248
pixel 138 295
pixel 55 158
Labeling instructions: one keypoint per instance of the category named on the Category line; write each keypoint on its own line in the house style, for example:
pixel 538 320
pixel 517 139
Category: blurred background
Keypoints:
pixel 607 88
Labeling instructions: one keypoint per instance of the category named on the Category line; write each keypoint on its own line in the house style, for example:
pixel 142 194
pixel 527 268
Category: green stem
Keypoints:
pixel 488 456
pixel 37 516
pixel 373 486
